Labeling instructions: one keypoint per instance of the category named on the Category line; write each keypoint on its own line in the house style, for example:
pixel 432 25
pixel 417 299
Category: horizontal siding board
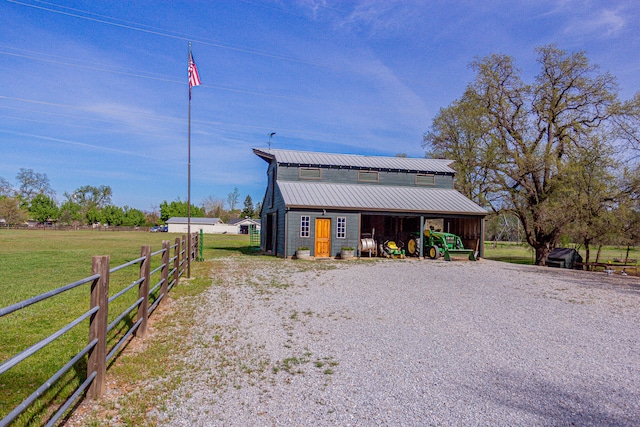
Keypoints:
pixel 350 176
pixel 294 240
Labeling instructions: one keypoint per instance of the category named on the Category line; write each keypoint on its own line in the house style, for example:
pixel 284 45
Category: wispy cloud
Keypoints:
pixel 598 23
pixel 379 17
pixel 78 144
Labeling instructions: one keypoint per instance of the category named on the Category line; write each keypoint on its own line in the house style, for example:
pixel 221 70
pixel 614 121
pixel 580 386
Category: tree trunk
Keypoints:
pixel 586 249
pixel 542 252
pixel 598 254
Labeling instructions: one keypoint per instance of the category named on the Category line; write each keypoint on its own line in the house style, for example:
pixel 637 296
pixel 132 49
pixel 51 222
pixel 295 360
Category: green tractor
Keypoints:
pixel 437 244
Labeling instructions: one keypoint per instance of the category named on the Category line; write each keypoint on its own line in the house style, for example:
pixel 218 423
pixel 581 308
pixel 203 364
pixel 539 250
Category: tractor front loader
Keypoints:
pixel 438 244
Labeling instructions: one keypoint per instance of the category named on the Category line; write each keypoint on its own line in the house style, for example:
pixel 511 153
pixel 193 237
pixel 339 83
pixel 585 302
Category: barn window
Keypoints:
pixel 304 225
pixel 309 173
pixel 341 230
pixel 425 179
pixel 368 176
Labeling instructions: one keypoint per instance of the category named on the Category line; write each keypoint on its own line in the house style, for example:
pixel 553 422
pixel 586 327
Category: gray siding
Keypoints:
pixel 350 176
pixel 294 240
pixel 273 203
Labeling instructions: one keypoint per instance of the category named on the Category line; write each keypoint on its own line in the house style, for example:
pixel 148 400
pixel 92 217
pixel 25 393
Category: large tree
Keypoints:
pixel 5 188
pixel 180 209
pixel 71 213
pixel 85 203
pixel 461 133
pixel 233 198
pixel 594 195
pixel 133 216
pixel 31 184
pixel 248 211
pixel 89 196
pixel 43 208
pixel 628 123
pixel 112 215
pixel 626 216
pixel 523 137
pixel 213 207
pixel 11 211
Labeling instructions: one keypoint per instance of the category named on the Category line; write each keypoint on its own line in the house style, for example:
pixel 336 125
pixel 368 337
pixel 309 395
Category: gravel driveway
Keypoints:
pixel 412 343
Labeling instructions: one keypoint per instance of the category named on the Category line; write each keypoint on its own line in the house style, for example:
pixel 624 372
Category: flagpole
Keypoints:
pixel 189 182
pixel 194 80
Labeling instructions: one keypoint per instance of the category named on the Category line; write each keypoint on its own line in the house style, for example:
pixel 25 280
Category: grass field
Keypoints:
pixel 523 254
pixel 34 262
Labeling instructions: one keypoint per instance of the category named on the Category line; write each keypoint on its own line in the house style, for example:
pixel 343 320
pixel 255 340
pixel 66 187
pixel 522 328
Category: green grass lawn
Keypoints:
pixel 35 261
pixel 523 254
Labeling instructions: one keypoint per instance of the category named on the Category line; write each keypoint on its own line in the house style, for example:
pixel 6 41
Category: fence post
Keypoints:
pixel 176 261
pixel 143 291
pixel 98 325
pixel 193 243
pixel 196 243
pixel 185 252
pixel 201 245
pixel 164 289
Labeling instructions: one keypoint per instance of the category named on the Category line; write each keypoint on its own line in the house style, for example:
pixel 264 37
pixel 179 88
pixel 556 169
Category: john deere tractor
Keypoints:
pixel 437 244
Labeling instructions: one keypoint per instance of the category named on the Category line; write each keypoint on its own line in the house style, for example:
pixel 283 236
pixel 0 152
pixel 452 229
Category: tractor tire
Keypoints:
pixel 412 247
pixel 433 252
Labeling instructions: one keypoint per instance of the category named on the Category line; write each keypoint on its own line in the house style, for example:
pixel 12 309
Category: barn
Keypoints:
pixel 326 201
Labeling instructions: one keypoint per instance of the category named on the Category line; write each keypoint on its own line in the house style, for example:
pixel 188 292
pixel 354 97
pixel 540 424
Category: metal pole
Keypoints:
pixel 189 183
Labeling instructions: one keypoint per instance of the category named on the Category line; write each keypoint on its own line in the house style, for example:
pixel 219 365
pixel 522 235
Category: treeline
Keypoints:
pixel 553 160
pixel 32 198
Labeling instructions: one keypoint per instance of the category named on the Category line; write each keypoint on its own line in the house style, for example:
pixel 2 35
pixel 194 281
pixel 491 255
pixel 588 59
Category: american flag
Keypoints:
pixel 194 77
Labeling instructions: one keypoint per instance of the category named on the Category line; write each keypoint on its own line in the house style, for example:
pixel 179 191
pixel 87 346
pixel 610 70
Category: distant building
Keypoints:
pixel 325 201
pixel 179 224
pixel 212 225
pixel 244 224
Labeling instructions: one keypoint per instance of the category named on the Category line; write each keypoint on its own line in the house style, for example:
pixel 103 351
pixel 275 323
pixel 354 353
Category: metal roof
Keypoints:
pixel 307 158
pixel 234 221
pixel 377 198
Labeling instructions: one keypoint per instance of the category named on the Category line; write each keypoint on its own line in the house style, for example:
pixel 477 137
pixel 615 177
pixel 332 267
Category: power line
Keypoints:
pixel 88 67
pixel 68 60
pixel 160 77
pixel 135 26
pixel 158 132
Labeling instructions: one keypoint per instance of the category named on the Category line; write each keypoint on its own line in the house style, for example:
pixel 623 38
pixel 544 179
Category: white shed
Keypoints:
pixel 179 224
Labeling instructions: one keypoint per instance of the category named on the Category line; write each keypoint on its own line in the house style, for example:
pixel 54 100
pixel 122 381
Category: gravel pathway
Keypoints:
pixel 412 343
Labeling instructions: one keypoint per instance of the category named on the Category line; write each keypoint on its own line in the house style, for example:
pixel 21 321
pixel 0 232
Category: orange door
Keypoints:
pixel 323 238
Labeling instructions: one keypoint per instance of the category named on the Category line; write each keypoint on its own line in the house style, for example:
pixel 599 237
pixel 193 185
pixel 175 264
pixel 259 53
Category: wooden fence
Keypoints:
pixel 149 296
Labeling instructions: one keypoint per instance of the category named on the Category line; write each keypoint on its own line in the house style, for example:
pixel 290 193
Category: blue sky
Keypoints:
pixel 95 93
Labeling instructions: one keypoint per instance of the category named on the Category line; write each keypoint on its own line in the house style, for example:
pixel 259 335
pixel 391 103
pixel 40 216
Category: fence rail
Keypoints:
pixel 166 275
